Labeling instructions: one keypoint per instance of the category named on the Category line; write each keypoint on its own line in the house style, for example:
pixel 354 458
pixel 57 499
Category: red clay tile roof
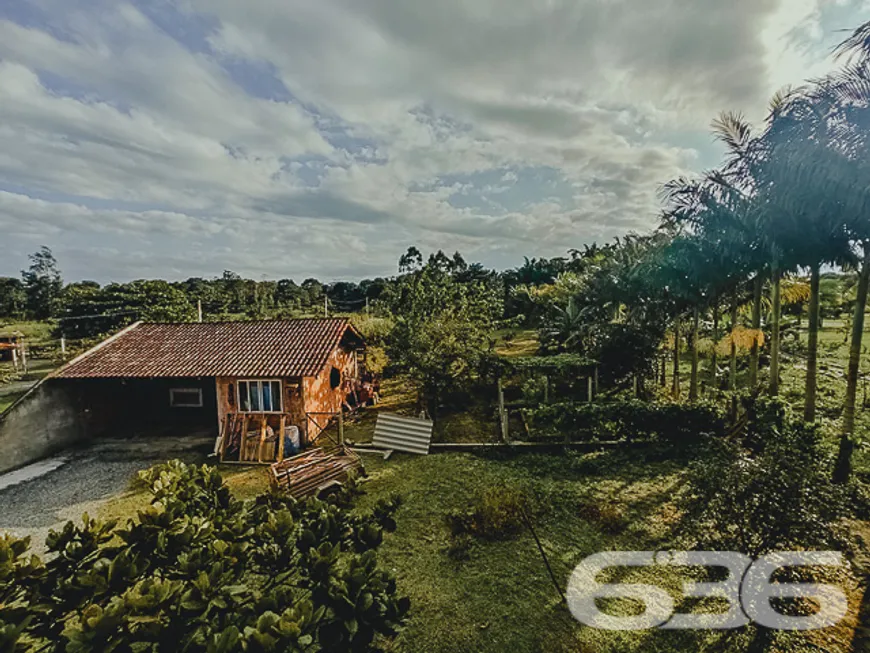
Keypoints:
pixel 285 348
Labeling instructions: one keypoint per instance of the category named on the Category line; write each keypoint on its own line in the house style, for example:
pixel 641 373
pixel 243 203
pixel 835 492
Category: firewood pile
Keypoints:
pixel 315 471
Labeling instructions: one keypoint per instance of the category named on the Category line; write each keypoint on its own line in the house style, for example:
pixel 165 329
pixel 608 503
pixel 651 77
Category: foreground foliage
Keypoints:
pixel 201 571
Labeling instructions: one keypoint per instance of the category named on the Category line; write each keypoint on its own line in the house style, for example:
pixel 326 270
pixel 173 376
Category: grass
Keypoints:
pixel 501 598
pixel 18 383
pixel 7 400
pixel 31 330
pixel 517 342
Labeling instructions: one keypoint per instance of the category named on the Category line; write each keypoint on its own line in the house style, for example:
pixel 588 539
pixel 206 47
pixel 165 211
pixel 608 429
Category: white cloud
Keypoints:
pixel 322 138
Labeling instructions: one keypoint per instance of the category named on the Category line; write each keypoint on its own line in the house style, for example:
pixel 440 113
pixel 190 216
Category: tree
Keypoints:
pixel 831 173
pixel 89 310
pixel 42 284
pixel 813 227
pixel 410 260
pixel 444 331
pixel 202 572
pixel 13 297
pixel 314 293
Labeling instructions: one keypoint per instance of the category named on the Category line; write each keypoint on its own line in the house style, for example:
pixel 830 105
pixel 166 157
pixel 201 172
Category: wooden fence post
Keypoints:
pixel 502 413
pixel 282 425
pixel 340 427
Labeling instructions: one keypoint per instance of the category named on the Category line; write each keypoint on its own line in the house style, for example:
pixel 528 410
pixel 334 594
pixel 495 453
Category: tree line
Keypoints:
pixel 791 197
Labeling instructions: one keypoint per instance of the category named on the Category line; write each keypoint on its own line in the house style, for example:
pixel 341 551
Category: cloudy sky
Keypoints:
pixel 297 138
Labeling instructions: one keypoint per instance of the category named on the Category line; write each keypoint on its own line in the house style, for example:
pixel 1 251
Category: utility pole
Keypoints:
pixel 63 347
pixel 367 305
pixel 199 310
pixel 325 306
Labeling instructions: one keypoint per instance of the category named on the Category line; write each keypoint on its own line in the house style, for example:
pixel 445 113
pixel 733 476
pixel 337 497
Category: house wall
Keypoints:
pixel 61 412
pixel 292 389
pixel 130 407
pixel 320 396
pixel 45 421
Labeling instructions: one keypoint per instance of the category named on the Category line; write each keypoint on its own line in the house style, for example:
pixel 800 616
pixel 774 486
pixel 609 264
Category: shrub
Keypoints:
pixel 497 513
pixel 606 516
pixel 199 570
pixel 460 546
pixel 773 496
pixel 673 423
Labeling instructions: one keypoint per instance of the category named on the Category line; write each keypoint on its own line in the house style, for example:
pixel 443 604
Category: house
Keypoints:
pixel 202 377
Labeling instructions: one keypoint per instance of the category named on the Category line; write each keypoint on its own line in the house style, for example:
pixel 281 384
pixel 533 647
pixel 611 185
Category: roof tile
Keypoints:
pixel 278 348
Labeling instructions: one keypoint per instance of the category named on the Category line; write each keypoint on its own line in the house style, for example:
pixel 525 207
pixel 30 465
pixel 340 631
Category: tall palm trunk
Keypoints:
pixel 812 346
pixel 732 367
pixel 693 383
pixel 843 469
pixel 774 331
pixel 756 325
pixel 663 379
pixel 713 357
pixel 676 383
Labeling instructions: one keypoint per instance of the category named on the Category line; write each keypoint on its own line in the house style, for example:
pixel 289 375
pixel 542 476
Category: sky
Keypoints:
pixel 302 138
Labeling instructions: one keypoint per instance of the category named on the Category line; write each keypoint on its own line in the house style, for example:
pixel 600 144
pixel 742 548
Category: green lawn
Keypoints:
pixel 32 330
pixel 7 400
pixel 501 598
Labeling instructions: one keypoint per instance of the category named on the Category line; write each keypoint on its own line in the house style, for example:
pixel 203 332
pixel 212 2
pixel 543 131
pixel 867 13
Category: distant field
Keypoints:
pixel 39 331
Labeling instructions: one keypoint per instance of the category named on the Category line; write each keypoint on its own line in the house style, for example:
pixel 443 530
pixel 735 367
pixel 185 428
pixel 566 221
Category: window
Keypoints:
pixel 185 397
pixel 260 397
pixel 334 378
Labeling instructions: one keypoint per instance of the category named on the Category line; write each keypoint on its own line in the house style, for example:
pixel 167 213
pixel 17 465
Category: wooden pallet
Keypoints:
pixel 315 471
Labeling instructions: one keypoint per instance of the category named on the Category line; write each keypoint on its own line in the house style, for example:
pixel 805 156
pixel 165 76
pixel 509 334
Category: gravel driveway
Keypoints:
pixel 46 494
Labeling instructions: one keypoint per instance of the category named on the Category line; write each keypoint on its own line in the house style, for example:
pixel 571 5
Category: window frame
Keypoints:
pixel 260 383
pixel 174 404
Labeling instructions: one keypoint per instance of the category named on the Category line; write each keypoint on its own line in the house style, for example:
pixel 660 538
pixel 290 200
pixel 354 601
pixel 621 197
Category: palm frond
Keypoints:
pixel 856 45
pixel 733 130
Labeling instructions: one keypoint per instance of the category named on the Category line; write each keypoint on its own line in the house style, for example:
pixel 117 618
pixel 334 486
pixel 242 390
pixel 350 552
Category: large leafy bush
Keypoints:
pixel 669 422
pixel 199 570
pixel 770 490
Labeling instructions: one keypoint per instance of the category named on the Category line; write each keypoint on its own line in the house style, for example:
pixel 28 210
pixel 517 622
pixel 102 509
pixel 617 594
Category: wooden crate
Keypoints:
pixel 312 472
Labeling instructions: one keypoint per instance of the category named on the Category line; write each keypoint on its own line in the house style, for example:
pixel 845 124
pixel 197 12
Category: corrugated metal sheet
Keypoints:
pixel 402 433
pixel 277 348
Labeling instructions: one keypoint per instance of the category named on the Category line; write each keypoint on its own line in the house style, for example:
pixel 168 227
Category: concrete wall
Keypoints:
pixel 61 412
pixel 43 422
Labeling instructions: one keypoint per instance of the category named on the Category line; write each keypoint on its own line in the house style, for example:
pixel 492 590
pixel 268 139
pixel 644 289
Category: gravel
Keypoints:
pixel 83 479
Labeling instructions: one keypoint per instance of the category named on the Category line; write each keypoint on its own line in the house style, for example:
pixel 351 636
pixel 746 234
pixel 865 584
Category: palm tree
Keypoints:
pixel 713 212
pixel 757 290
pixel 814 230
pixel 747 170
pixel 683 270
pixel 847 96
